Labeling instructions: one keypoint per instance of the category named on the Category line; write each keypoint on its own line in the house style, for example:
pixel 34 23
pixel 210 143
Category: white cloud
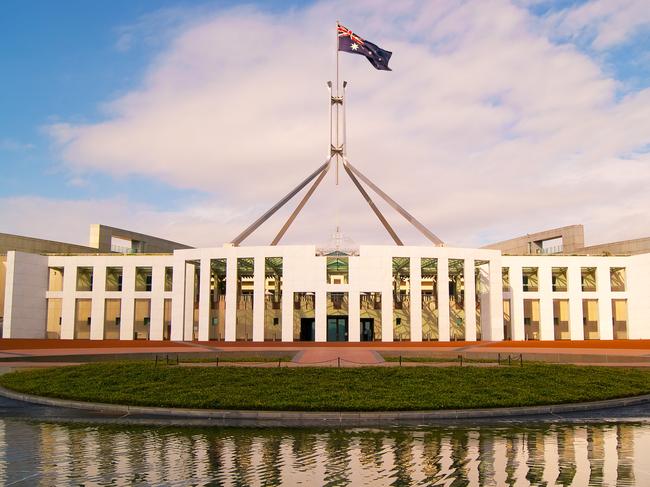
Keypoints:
pixel 485 128
pixel 605 23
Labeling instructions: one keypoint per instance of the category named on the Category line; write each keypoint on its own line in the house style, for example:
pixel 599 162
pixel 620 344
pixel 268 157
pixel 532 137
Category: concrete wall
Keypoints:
pixel 572 239
pixel 101 236
pixel 625 247
pixel 37 245
pixel 3 276
pixel 25 305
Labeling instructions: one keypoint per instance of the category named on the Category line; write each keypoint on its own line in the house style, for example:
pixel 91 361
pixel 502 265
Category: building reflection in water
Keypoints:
pixel 590 454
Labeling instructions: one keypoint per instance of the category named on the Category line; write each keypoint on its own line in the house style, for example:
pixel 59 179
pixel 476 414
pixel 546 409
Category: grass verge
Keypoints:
pixel 330 389
pixel 427 359
pixel 236 358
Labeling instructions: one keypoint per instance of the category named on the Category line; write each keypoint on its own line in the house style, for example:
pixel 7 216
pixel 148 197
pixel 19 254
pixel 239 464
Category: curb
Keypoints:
pixel 302 418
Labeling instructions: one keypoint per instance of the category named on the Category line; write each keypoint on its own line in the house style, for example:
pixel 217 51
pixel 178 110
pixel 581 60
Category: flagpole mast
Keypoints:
pixel 337 104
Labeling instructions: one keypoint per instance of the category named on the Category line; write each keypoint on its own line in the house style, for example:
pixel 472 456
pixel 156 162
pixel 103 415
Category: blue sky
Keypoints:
pixel 79 64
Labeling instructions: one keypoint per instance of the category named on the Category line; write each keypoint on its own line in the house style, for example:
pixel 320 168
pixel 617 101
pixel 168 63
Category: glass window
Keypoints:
pixel 169 278
pixel 141 319
pixel 429 273
pixel 55 279
pixel 337 270
pixel 588 278
pixel 143 278
pixel 617 278
pixel 370 316
pixel 113 278
pixel 84 278
pixel 457 298
pixel 273 298
pixel 401 298
pixel 304 317
pixel 530 280
pixel 559 279
pixel 218 269
pixel 245 296
pixel 112 318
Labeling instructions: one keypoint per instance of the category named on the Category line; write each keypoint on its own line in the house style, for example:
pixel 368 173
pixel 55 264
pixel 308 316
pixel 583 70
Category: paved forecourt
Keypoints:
pixel 614 352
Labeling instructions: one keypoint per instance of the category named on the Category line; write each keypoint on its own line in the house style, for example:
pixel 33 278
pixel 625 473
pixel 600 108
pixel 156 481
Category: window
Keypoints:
pixel 617 279
pixel 530 280
pixel 588 278
pixel 113 278
pixel 272 297
pixel 84 278
pixel 505 279
pixel 55 279
pixel 559 279
pixel 401 298
pixel 143 278
pixel 337 269
pixel 169 278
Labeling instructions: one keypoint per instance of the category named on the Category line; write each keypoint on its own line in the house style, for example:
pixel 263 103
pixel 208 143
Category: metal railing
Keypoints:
pixel 556 249
pixel 123 250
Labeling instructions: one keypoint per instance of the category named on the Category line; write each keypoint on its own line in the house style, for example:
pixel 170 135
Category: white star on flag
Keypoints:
pixel 354 46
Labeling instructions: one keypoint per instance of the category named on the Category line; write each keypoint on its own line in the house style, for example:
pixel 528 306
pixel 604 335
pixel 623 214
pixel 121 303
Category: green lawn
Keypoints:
pixel 330 389
pixel 237 358
pixel 429 359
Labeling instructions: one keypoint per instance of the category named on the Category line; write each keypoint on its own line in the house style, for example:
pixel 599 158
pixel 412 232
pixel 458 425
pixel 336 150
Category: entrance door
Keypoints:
pixel 337 328
pixel 367 329
pixel 307 329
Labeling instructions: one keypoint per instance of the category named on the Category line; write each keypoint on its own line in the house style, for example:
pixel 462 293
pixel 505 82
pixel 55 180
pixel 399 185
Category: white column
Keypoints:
pixel 188 319
pixel 637 282
pixel 127 311
pixel 287 314
pixel 443 299
pixel 231 299
pixel 604 288
pixel 470 300
pixel 484 301
pixel 495 290
pixel 178 299
pixel 157 302
pixel 320 304
pixel 354 316
pixel 97 306
pixel 517 302
pixel 259 276
pixel 546 325
pixel 387 321
pixel 576 326
pixel 204 300
pixel 415 288
pixel 68 301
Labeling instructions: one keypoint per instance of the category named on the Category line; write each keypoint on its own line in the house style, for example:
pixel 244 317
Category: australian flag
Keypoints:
pixel 350 42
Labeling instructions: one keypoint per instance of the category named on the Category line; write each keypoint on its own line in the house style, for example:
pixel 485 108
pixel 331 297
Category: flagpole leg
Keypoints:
pixel 337 104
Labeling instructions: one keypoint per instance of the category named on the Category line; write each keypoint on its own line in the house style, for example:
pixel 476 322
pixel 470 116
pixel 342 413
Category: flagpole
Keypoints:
pixel 337 104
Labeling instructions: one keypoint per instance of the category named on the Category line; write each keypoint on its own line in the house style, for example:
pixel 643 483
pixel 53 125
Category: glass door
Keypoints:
pixel 337 328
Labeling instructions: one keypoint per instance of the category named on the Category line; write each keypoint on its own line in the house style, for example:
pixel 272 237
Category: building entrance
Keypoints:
pixel 337 328
pixel 307 329
pixel 367 329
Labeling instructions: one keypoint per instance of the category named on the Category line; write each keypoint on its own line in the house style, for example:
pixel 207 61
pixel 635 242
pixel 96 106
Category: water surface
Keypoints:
pixel 41 453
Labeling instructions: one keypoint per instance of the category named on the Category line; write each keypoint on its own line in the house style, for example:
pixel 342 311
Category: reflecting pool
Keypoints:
pixel 39 453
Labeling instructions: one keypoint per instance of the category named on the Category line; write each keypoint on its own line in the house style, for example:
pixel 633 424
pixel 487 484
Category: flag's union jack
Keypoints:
pixel 345 32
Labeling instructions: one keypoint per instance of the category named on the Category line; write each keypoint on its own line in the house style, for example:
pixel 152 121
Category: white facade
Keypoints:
pixel 542 312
